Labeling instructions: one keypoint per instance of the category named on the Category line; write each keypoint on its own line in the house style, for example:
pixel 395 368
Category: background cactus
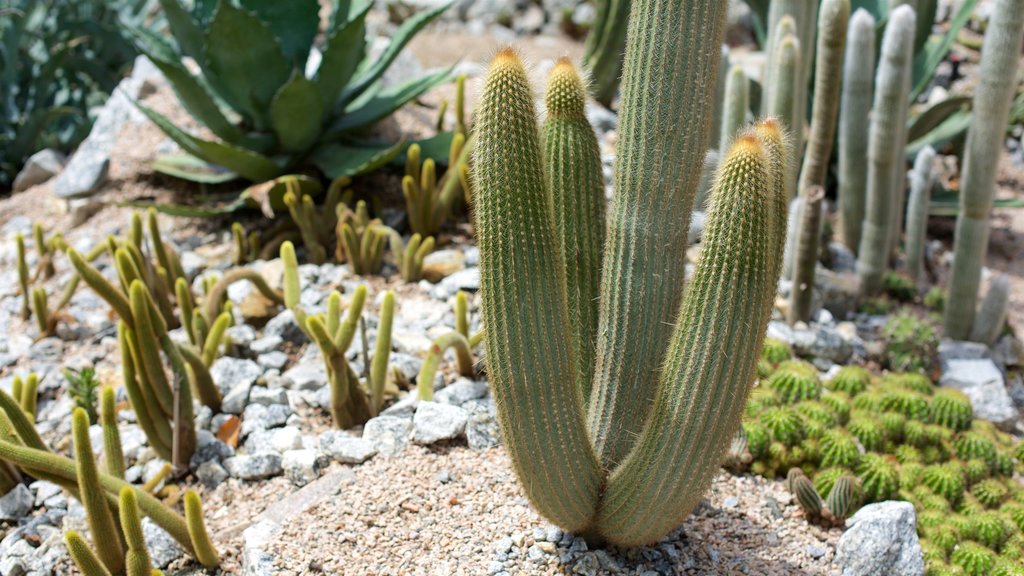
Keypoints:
pixel 604 49
pixel 735 107
pixel 922 180
pixel 885 149
pixel 855 108
pixel 992 100
pixel 991 318
pixel 805 258
pixel 782 92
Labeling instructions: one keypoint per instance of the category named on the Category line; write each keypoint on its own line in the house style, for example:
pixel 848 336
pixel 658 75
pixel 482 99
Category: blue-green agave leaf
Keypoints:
pixel 294 24
pixel 345 48
pixel 951 128
pixel 297 113
pixel 337 160
pixel 185 30
pixel 187 167
pixel 935 50
pixel 187 210
pixel 386 102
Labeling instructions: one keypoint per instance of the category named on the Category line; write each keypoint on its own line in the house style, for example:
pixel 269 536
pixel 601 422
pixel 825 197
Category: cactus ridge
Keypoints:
pixel 850 379
pixel 952 409
pixel 844 497
pixel 879 478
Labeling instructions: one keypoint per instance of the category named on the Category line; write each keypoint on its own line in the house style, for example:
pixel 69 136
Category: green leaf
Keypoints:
pixel 337 160
pixel 953 127
pixel 344 50
pixel 935 51
pixel 401 37
pixel 294 24
pixel 246 61
pixel 185 30
pixel 931 118
pixel 384 103
pixel 202 11
pixel 947 203
pixel 437 147
pixel 247 164
pixel 193 169
pixel 297 113
pixel 269 196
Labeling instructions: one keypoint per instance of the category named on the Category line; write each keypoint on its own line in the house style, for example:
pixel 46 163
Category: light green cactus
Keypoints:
pixel 991 318
pixel 922 180
pixel 734 110
pixel 101 521
pixel 805 258
pixel 992 100
pixel 855 109
pixel 782 93
pixel 113 457
pixel 885 149
pixel 604 48
pixel 459 340
pixel 655 437
pixel 719 103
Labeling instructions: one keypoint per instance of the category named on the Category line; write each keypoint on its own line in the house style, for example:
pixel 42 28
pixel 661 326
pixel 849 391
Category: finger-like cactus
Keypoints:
pixel 855 109
pixel 991 318
pixel 83 556
pixel 805 259
pixel 113 456
pixel 885 148
pixel 137 559
pixel 844 498
pixel 206 554
pixel 409 257
pixel 734 110
pixel 459 340
pixel 360 239
pixel 922 180
pixel 101 522
pixel 642 471
pixel 428 199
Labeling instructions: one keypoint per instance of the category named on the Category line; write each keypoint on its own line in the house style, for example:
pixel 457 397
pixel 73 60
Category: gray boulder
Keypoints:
pixel 983 383
pixel 881 539
pixel 434 422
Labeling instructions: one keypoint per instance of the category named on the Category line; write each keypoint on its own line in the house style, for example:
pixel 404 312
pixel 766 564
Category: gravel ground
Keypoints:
pixel 453 510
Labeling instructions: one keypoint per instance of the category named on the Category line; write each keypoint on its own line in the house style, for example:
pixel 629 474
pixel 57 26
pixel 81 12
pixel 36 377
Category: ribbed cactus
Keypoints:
pixel 991 318
pixel 604 47
pixel 844 498
pixel 429 199
pixel 360 239
pixel 828 72
pixel 922 180
pixel 885 149
pixel 782 92
pixel 656 436
pixel 734 109
pixel 572 162
pixel 409 256
pixel 992 100
pixel 719 102
pixel 806 496
pixel 805 259
pixel 113 457
pixel 206 554
pixel 101 521
pixel 854 112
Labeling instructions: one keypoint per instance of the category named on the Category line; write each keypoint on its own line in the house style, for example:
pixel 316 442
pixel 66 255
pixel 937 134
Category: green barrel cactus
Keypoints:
pixel 992 100
pixel 838 449
pixel 795 380
pixel 663 407
pixel 952 409
pixel 878 477
pixel 850 379
pixel 946 480
pixel 855 108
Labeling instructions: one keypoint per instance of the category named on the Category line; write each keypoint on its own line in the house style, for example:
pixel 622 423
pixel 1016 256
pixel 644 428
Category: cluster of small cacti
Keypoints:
pixel 890 437
pixel 911 342
pixel 459 340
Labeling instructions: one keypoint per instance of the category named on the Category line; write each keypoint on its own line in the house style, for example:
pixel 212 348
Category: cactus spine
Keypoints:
pixel 832 25
pixel 101 521
pixel 806 257
pixel 656 436
pixel 83 556
pixel 885 148
pixel 858 72
pixel 737 102
pixel 922 180
pixel 992 100
pixel 572 164
pixel 604 47
pixel 988 325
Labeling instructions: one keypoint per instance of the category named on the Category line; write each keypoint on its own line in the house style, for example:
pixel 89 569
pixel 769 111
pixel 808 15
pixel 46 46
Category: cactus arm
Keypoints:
pixel 206 554
pixel 213 299
pixel 379 367
pixel 461 313
pixel 101 521
pixel 101 286
pixel 83 556
pixel 855 109
pixel 737 101
pixel 213 340
pixel 992 100
pixel 719 99
pixel 525 308
pixel 137 557
pixel 186 306
pixel 41 310
pixel 463 356
pixel 806 257
pixel 832 25
pixel 604 47
pixel 574 178
pixel 885 150
pixel 922 180
pixel 668 85
pixel 113 455
pixel 782 93
pixel 20 422
pixel 199 375
pixel 147 410
pixel 148 362
pixel 701 397
pixel 347 329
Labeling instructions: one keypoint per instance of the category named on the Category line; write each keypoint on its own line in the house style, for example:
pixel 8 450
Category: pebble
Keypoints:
pixel 268 396
pixel 16 504
pixel 302 466
pixel 211 474
pixel 162 548
pixel 389 434
pixel 346 449
pixel 254 466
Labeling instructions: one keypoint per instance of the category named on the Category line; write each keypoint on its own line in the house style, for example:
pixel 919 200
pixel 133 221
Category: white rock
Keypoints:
pixel 434 422
pixel 302 466
pixel 983 383
pixel 881 539
pixel 389 434
pixel 346 449
pixel 16 504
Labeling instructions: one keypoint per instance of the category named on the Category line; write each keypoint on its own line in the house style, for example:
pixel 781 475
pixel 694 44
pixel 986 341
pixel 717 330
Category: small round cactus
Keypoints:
pixel 844 498
pixel 1004 464
pixel 975 559
pixel 784 425
pixel 989 529
pixel 1015 512
pixel 932 553
pixel 850 379
pixel 969 506
pixel 911 475
pixel 826 478
pixel 991 493
pixel 1008 567
pixel 758 439
pixel 942 569
pixel 760 398
pixel 866 429
pixel 910 404
pixel 868 401
pixel 946 481
pixel 913 381
pixel 839 449
pixel 952 409
pixel 945 537
pixel 795 380
pixel 806 496
pixel 975 470
pixel 776 351
pixel 973 445
pixel 898 286
pixel 839 402
pixel 906 454
pixel 892 424
pixel 878 477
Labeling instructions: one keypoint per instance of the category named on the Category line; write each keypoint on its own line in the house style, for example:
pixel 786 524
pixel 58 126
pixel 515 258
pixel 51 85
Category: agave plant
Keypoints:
pixel 291 105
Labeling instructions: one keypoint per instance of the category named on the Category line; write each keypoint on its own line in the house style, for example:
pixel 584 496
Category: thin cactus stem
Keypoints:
pixel 806 257
pixel 151 417
pixel 137 556
pixel 719 101
pixel 199 376
pixel 382 352
pixel 855 109
pixel 214 298
pixel 992 100
pixel 113 455
pixel 737 102
pixel 463 357
pixel 922 180
pixel 186 309
pixel 205 551
pixel 991 318
pixel 461 313
pixel 154 482
pixel 885 148
pixel 211 345
pixel 101 521
pixel 83 556
pixel 41 310
pixel 23 282
pixel 575 181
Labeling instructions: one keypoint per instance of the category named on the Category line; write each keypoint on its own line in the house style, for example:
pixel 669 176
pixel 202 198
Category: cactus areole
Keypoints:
pixel 626 455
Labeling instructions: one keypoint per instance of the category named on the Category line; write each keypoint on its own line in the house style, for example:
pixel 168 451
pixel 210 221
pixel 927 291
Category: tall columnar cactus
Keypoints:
pixel 991 318
pixel 605 45
pixel 855 109
pixel 572 163
pixel 992 100
pixel 828 70
pixel 783 90
pixel 805 259
pixel 885 148
pixel 922 180
pixel 719 104
pixel 734 109
pixel 663 406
